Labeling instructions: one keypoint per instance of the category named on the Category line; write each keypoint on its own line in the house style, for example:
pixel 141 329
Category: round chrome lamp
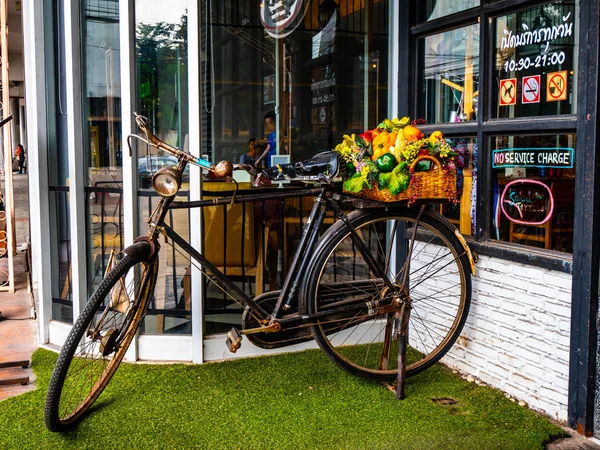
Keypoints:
pixel 167 181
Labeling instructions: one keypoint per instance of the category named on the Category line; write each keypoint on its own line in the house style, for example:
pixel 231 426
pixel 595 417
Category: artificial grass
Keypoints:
pixel 291 401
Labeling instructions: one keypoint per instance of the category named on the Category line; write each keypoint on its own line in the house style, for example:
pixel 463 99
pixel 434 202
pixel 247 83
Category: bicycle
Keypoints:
pixel 354 290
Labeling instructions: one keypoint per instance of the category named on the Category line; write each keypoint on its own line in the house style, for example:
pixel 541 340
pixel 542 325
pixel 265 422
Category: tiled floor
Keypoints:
pixel 18 338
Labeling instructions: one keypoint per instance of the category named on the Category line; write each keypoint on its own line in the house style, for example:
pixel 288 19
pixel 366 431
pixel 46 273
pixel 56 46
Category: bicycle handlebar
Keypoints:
pixel 224 168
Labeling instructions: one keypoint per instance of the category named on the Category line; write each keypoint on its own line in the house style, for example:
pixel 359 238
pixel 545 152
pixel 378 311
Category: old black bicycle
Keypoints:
pixel 351 288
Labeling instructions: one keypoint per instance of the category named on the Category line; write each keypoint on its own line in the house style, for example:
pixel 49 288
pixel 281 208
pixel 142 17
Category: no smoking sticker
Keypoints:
pixel 530 90
pixel 508 92
pixel 556 86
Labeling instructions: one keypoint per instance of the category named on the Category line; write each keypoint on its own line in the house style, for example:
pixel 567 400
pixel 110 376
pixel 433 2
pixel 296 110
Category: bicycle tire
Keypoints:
pixel 86 338
pixel 353 341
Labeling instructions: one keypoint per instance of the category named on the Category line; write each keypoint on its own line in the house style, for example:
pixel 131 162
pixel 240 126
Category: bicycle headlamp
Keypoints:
pixel 166 181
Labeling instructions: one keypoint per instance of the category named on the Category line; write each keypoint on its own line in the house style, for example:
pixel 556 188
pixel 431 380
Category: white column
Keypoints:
pixel 130 201
pixel 35 79
pixel 195 120
pixel 77 169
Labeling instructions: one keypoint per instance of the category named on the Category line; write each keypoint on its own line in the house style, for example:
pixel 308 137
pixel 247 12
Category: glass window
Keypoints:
pixel 449 84
pixel 536 61
pixel 435 9
pixel 102 139
pixel 162 80
pixel 297 86
pixel 533 186
pixel 462 213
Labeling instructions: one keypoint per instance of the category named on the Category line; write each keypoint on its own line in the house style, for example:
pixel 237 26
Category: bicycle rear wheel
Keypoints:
pixel 100 337
pixel 438 287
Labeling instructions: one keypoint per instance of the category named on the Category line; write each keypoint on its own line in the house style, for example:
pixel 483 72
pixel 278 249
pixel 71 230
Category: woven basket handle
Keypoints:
pixel 422 157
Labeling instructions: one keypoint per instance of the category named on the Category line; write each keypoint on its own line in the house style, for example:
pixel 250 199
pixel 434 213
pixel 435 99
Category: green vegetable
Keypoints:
pixel 354 183
pixel 386 162
pixel 350 169
pixel 397 180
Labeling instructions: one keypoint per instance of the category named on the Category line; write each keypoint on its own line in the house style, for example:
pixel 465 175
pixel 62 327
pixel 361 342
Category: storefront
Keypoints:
pixel 501 79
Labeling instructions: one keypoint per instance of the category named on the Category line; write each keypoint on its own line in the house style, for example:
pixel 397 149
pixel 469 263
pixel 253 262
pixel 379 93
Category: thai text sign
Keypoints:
pixel 533 157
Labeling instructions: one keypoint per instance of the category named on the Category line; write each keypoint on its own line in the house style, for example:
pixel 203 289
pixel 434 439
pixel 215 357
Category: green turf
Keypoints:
pixel 290 401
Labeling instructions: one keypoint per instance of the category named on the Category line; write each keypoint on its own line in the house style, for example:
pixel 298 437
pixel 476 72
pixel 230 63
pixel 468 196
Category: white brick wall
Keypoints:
pixel 517 335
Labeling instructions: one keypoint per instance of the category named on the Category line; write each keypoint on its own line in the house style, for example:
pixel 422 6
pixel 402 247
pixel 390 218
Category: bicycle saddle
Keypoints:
pixel 324 164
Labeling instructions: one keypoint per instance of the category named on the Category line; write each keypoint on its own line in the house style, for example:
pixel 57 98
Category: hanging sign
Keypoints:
pixel 561 158
pixel 530 90
pixel 527 202
pixel 556 86
pixel 280 18
pixel 508 92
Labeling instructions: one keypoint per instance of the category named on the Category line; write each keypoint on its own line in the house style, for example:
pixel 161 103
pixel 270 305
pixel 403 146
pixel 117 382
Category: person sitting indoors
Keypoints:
pixel 271 148
pixel 252 155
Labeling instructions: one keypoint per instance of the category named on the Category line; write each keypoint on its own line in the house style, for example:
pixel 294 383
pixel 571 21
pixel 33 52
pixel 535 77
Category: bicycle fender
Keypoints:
pixel 458 236
pixel 142 248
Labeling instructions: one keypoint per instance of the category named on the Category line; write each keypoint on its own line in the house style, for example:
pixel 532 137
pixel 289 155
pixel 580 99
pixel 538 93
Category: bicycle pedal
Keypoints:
pixel 234 340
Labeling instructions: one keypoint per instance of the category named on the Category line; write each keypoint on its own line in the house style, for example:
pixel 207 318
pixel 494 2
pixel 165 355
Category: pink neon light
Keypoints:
pixel 522 222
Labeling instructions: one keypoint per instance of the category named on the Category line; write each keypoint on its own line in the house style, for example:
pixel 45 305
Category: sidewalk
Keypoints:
pixel 18 338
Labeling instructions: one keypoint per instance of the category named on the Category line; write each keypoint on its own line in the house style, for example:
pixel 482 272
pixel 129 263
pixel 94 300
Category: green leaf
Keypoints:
pixel 359 140
pixel 354 183
pixel 384 179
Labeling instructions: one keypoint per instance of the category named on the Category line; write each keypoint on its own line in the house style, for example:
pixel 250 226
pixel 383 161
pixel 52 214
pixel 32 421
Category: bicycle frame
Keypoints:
pixel 271 321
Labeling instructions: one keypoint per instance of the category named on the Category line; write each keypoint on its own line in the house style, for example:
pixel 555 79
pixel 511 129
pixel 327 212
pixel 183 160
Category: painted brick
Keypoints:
pixel 489 378
pixel 503 317
pixel 498 370
pixel 552 394
pixel 563 296
pixel 515 307
pixel 543 317
pixel 562 355
pixel 517 283
pixel 535 372
pixel 542 290
pixel 524 381
pixel 484 324
pixel 558 309
pixel 555 367
pixel 510 360
pixel 561 383
pixel 558 279
pixel 556 337
pixel 527 355
pixel 529 327
pixel 539 345
pixel 510 333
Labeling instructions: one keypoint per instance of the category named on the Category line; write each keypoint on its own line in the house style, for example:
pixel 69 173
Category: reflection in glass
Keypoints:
pixel 450 78
pixel 462 214
pixel 161 46
pixel 102 139
pixel 536 61
pixel 534 191
pixel 435 9
pixel 300 93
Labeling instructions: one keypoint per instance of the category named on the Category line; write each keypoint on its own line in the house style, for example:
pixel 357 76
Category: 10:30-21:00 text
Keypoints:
pixel 551 59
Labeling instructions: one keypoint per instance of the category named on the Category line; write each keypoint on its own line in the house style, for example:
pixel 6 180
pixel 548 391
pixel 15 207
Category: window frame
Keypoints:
pixel 486 125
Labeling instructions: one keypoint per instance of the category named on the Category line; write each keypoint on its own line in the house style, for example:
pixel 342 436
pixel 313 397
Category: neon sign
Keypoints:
pixel 533 157
pixel 529 200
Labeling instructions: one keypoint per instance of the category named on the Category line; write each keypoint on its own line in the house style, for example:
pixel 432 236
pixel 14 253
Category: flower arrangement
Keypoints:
pixel 383 163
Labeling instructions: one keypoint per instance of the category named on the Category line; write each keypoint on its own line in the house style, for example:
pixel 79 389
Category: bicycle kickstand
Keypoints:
pixel 402 319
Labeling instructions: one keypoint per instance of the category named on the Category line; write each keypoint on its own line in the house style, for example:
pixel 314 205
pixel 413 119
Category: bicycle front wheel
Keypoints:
pixel 100 337
pixel 428 267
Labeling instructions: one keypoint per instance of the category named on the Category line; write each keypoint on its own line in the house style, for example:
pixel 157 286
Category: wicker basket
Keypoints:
pixel 433 184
